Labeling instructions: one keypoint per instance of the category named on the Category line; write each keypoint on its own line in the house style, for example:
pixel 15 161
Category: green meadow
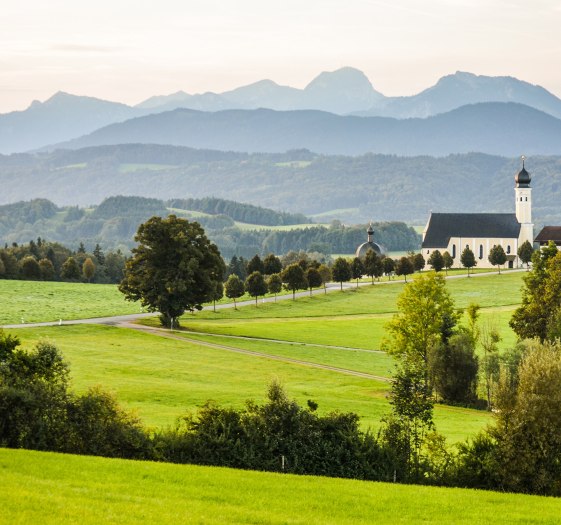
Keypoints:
pixel 50 488
pixel 163 378
pixel 356 317
pixel 37 301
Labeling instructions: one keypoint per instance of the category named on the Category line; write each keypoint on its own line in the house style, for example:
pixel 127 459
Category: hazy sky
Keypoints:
pixel 128 50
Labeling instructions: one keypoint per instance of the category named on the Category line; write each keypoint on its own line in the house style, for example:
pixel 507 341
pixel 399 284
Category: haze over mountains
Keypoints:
pixel 462 112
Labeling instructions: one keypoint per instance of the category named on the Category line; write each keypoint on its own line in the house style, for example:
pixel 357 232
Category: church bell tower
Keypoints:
pixel 523 194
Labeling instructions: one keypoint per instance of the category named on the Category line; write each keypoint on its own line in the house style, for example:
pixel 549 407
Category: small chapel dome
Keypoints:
pixel 369 244
pixel 522 178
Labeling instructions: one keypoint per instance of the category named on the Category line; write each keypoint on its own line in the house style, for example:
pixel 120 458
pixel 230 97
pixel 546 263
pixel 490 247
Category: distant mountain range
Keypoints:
pixel 506 129
pixel 346 91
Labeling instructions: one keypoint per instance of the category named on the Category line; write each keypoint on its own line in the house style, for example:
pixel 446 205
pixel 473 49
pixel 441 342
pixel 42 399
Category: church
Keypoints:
pixel 452 232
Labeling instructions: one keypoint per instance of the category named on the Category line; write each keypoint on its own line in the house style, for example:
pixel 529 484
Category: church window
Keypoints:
pixel 453 251
pixel 508 249
pixel 526 199
pixel 481 251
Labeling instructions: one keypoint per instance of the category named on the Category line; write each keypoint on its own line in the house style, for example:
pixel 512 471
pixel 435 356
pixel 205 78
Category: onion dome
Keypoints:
pixel 522 178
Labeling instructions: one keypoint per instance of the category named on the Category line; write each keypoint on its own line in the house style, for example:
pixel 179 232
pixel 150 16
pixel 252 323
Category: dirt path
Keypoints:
pixel 161 332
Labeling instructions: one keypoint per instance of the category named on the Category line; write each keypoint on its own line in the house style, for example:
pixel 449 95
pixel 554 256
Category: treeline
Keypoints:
pixel 519 453
pixel 41 260
pixel 114 223
pixel 240 212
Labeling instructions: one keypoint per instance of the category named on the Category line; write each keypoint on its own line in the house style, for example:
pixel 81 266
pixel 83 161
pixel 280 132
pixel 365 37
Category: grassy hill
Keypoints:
pixel 162 378
pixel 237 228
pixel 57 489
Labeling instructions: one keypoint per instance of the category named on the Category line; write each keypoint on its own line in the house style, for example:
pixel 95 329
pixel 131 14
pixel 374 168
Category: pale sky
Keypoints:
pixel 129 50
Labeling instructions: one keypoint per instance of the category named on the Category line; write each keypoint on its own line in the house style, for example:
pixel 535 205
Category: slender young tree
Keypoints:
pixel 448 261
pixel 388 265
pixel 436 261
pixel 525 253
pixel 325 273
pixel 255 285
pixel 234 288
pixel 404 267
pixel 88 269
pixel 314 278
pixel 468 259
pixel 274 284
pixel 357 269
pixel 497 256
pixel 294 278
pixel 341 271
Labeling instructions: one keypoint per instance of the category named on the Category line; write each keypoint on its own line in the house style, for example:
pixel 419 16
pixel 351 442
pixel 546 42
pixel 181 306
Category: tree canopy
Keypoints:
pixel 173 269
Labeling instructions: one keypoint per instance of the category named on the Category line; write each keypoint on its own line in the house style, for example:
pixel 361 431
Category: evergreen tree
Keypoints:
pixel 255 265
pixel 99 255
pixel 272 264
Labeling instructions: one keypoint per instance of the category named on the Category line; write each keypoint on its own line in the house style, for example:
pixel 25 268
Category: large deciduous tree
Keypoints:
pixel 173 269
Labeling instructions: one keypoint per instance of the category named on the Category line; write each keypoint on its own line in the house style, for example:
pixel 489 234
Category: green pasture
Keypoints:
pixel 162 378
pixel 355 317
pixel 37 301
pixel 49 488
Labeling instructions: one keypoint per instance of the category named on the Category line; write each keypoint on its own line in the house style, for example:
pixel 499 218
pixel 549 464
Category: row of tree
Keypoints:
pixel 48 261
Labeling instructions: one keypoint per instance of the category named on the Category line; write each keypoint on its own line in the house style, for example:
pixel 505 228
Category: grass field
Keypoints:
pixel 57 489
pixel 356 317
pixel 162 378
pixel 37 301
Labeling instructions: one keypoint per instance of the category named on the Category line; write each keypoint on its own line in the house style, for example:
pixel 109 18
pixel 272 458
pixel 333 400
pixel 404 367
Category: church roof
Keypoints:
pixel 443 226
pixel 549 233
